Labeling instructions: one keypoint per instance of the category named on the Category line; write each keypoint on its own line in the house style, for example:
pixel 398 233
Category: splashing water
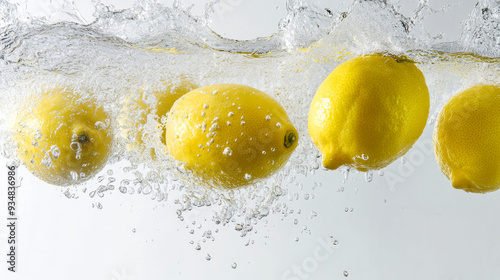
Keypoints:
pixel 121 51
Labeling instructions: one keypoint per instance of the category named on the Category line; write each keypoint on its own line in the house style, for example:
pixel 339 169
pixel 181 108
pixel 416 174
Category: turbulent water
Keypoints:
pixel 124 50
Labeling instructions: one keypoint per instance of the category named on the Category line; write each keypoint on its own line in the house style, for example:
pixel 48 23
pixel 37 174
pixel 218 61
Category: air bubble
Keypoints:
pixel 227 151
pixel 100 125
pixel 369 176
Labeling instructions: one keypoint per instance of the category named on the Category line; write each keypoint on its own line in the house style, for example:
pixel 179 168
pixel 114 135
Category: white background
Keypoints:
pixel 408 224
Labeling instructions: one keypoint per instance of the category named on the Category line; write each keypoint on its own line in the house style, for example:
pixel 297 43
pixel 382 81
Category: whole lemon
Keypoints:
pixel 153 101
pixel 229 135
pixel 467 139
pixel 368 112
pixel 64 140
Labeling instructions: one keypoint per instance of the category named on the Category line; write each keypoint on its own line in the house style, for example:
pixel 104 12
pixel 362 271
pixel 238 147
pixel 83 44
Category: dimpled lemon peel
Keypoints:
pixel 368 112
pixel 467 139
pixel 229 135
pixel 64 140
pixel 154 102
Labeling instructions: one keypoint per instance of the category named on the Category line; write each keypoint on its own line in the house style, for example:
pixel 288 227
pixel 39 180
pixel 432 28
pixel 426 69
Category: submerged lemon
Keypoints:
pixel 229 135
pixel 154 102
pixel 467 139
pixel 368 112
pixel 64 140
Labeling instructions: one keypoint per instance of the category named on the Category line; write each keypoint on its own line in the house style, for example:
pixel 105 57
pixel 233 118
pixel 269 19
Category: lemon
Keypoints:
pixel 368 112
pixel 467 139
pixel 64 140
pixel 229 135
pixel 154 102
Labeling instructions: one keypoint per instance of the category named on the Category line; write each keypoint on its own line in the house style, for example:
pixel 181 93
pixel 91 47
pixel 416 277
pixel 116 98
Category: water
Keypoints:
pixel 122 51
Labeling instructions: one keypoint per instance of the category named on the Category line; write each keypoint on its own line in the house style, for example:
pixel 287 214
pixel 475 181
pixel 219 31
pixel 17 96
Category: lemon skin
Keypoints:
pixel 137 107
pixel 467 139
pixel 229 135
pixel 368 112
pixel 64 141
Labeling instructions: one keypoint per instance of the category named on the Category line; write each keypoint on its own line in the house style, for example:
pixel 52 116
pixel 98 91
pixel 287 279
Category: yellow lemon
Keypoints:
pixel 152 102
pixel 368 112
pixel 229 135
pixel 64 140
pixel 467 139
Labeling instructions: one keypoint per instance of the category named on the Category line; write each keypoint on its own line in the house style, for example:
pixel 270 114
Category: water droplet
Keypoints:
pixel 134 230
pixel 215 92
pixel 234 265
pixel 227 151
pixel 198 247
pixel 230 114
pixel 208 257
pixel 381 172
pixel 123 189
pixel 99 205
pixel 346 273
pixel 268 117
pixel 263 152
pixel 248 176
pixel 205 106
pixel 296 239
pixel 228 123
pixel 335 242
pixel 110 172
pixel 242 123
pixel 403 160
pixel 278 125
pixel 203 114
pixel 295 221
